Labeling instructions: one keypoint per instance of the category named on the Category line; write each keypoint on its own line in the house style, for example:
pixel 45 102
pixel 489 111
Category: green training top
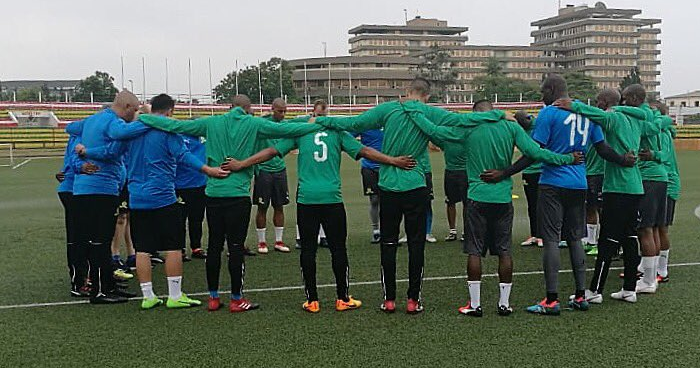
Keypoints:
pixel 491 146
pixel 595 165
pixel 652 170
pixel 624 128
pixel 235 135
pixel 402 137
pixel 277 163
pixel 535 168
pixel 668 157
pixel 318 164
pixel 455 156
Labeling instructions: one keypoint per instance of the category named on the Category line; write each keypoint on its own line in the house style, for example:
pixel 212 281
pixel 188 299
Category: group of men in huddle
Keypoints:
pixel 240 146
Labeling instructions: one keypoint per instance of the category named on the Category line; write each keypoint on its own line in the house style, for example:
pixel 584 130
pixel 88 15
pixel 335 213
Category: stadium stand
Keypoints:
pixel 31 138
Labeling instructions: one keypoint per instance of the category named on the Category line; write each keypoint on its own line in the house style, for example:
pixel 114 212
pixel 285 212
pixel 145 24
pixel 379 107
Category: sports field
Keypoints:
pixel 660 330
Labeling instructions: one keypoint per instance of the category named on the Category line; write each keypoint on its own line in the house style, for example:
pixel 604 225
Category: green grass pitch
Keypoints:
pixel 660 330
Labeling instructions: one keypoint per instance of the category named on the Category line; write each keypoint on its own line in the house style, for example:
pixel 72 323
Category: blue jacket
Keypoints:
pixel 151 163
pixel 104 132
pixel 186 177
pixel 71 165
pixel 371 138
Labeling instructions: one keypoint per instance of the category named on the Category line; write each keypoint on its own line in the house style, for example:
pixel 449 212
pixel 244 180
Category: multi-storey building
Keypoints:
pixel 603 43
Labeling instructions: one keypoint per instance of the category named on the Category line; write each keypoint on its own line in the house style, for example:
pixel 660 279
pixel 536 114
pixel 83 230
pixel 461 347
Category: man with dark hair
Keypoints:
pixel 271 187
pixel 189 188
pixel 531 182
pixel 667 156
pixel 652 207
pixel 489 209
pixel 403 194
pixel 320 202
pixel 562 192
pixel 622 190
pixel 156 215
pixel 232 135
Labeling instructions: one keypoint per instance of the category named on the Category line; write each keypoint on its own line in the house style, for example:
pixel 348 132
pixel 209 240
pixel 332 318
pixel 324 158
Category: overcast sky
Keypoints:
pixel 70 39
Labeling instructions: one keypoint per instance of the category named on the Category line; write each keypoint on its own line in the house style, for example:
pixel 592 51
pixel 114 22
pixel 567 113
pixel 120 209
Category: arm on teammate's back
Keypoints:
pixel 608 154
pixel 111 151
pixel 121 130
pixel 531 149
pixel 268 129
pixel 234 165
pixel 370 119
pixel 197 127
pixel 438 133
pixel 402 162
pixel 177 148
pixel 605 119
pixel 495 176
pixel 653 128
pixel 75 128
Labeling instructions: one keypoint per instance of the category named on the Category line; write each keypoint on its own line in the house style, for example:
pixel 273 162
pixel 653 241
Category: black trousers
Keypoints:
pixel 618 228
pixel 531 183
pixel 95 218
pixel 76 256
pixel 228 220
pixel 410 206
pixel 332 218
pixel 195 202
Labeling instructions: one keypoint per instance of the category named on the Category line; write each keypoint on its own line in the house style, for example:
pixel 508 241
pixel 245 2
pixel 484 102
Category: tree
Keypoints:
pixel 493 67
pixel 101 85
pixel 437 68
pixel 270 82
pixel 632 78
pixel 581 86
pixel 28 94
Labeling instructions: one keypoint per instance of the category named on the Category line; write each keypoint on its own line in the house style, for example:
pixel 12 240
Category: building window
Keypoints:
pixel 697 103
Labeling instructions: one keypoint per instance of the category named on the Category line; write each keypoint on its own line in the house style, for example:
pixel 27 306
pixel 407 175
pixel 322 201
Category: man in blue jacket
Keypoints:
pixel 156 216
pixel 189 188
pixel 96 196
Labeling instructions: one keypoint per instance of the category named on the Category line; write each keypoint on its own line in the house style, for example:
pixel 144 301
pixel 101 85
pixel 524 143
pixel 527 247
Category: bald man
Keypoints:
pixel 271 187
pixel 96 196
pixel 233 135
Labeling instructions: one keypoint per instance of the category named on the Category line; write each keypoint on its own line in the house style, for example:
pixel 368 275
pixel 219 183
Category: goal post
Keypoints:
pixel 7 157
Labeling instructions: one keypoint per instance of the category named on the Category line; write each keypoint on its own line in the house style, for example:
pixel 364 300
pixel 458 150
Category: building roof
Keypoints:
pixel 51 84
pixel 379 28
pixel 570 13
pixel 356 60
pixel 686 95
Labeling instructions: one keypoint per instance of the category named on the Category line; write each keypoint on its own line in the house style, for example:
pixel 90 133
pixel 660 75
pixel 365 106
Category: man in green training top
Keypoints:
pixel 403 193
pixel 320 202
pixel 531 182
pixel 489 205
pixel 652 208
pixel 232 135
pixel 667 156
pixel 270 185
pixel 622 190
pixel 455 182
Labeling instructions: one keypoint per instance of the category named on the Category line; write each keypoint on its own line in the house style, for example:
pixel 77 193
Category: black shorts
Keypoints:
pixel 620 216
pixel 652 208
pixel 124 200
pixel 271 187
pixel 370 181
pixel 456 186
pixel 158 230
pixel 489 228
pixel 594 194
pixel 670 211
pixel 429 185
pixel 561 213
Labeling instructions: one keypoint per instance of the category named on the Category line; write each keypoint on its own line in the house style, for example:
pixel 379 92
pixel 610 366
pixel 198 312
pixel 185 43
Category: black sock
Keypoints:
pixel 552 297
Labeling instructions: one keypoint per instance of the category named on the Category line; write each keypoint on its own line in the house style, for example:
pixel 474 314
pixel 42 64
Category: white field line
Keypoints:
pixel 21 164
pixel 300 287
